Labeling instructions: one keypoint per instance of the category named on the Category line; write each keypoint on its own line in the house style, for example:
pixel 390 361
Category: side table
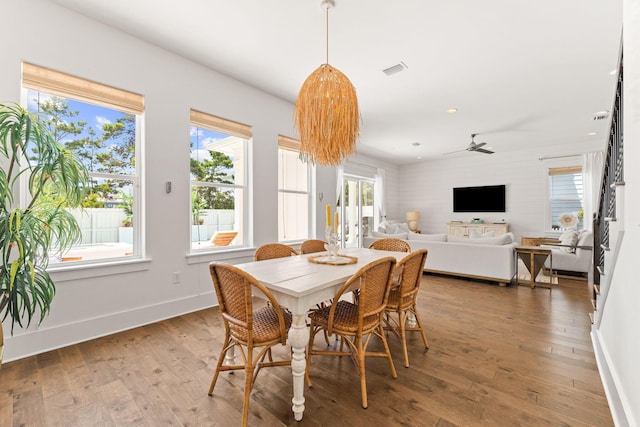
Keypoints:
pixel 533 258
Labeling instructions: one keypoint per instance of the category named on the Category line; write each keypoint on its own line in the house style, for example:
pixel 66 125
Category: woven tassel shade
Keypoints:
pixel 327 117
pixel 326 113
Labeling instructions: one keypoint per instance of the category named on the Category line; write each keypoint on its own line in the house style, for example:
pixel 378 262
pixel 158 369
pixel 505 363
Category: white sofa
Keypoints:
pixel 489 258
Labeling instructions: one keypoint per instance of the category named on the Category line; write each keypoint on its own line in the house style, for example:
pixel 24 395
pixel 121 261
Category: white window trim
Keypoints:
pixel 286 143
pixel 87 91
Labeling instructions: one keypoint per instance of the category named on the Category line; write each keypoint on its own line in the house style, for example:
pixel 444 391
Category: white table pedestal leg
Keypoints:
pixel 298 339
pixel 230 357
pixel 411 320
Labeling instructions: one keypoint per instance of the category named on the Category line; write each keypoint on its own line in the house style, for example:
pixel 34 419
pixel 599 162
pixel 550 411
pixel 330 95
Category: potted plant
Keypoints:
pixel 125 233
pixel 36 224
pixel 198 229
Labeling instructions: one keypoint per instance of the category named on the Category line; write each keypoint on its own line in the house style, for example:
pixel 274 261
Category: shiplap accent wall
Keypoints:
pixel 427 187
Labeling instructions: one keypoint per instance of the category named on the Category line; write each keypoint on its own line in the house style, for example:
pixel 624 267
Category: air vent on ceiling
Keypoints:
pixel 395 69
pixel 601 115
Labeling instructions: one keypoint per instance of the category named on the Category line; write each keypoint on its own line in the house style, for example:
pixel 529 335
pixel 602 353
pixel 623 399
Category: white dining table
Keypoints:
pixel 299 284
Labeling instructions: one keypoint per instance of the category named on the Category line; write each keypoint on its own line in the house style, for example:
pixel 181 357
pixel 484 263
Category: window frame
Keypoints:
pixel 290 144
pixel 556 170
pixel 202 120
pixel 69 87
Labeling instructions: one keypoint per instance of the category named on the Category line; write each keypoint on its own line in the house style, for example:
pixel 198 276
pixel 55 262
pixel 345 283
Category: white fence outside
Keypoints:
pixel 102 225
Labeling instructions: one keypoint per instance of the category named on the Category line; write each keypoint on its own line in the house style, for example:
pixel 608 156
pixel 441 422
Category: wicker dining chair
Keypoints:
pixel 356 323
pixel 312 245
pixel 402 300
pixel 251 331
pixel 273 250
pixel 391 244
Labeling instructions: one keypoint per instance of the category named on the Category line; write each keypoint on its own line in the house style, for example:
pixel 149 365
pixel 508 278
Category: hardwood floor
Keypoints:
pixel 499 356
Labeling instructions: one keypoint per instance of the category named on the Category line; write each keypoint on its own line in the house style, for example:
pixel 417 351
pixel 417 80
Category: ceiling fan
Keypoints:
pixel 473 147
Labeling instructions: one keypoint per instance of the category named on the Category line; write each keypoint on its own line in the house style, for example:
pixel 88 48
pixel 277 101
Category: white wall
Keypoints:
pixel 619 330
pixel 126 296
pixel 427 186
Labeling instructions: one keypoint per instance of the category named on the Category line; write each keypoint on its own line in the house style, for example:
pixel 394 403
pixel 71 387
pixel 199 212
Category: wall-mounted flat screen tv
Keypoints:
pixel 488 198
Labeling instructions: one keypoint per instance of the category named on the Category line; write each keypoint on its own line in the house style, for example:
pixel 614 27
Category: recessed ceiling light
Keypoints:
pixel 452 110
pixel 592 133
pixel 600 115
pixel 613 72
pixel 419 157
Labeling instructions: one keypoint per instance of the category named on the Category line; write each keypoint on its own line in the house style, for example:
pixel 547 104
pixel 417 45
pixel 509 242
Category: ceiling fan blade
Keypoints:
pixel 451 152
pixel 482 150
pixel 480 144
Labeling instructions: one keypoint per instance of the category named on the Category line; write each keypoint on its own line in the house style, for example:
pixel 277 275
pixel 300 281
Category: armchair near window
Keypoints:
pixel 575 257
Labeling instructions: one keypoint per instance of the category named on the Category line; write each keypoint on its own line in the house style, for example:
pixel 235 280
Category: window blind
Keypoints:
pixel 287 143
pixel 565 170
pixel 208 121
pixel 61 84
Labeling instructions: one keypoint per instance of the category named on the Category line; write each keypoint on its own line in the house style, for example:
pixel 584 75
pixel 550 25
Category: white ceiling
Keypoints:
pixel 520 73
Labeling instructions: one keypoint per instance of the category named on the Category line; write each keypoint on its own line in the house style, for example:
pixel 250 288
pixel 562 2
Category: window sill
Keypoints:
pixel 83 271
pixel 237 254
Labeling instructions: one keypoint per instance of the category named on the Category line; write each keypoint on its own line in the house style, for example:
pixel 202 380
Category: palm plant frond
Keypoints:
pixel 30 230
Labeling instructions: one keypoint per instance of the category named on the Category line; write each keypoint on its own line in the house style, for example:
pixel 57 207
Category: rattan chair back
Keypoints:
pixel 357 323
pixel 401 313
pixel 273 250
pixel 412 268
pixel 253 331
pixel 391 244
pixel 312 245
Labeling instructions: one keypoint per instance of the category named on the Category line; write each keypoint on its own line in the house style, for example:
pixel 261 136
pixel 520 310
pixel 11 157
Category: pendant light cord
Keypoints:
pixel 327 32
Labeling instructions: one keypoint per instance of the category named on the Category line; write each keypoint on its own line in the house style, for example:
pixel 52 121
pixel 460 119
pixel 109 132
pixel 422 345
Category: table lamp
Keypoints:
pixel 412 218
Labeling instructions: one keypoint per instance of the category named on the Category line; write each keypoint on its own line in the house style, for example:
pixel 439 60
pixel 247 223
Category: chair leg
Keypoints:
pixel 247 392
pixel 402 319
pixel 223 352
pixel 312 334
pixel 394 374
pixel 420 328
pixel 361 368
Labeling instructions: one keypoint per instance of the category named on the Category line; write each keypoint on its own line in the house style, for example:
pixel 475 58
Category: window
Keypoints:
pixel 565 198
pixel 218 166
pixel 101 126
pixel 294 194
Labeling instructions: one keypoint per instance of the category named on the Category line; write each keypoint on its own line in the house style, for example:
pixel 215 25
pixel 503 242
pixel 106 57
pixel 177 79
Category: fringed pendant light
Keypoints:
pixel 326 113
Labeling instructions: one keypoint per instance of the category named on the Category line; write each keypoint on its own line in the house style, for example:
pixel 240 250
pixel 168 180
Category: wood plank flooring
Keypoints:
pixel 499 356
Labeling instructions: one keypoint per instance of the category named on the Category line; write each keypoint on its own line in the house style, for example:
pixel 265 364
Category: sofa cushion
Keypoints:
pixel 428 237
pixel 585 238
pixel 569 238
pixel 402 236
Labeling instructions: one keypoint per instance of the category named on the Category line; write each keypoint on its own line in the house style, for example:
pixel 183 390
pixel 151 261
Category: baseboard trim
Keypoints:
pixel 608 381
pixel 40 340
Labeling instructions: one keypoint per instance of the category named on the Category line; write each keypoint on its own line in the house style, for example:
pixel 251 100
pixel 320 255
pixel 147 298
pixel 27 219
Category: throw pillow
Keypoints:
pixel 402 236
pixel 428 237
pixel 474 234
pixel 402 227
pixel 569 238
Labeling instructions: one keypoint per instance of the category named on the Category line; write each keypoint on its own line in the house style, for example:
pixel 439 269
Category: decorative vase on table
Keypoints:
pixel 333 243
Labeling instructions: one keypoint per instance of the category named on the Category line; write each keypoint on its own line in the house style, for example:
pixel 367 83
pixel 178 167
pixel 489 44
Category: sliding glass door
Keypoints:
pixel 356 211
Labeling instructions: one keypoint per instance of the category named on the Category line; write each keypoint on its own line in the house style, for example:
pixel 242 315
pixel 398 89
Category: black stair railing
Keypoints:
pixel 613 174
